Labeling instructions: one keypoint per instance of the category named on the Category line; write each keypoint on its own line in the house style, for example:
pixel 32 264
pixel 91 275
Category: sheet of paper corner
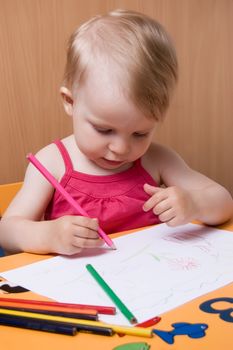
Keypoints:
pixel 152 271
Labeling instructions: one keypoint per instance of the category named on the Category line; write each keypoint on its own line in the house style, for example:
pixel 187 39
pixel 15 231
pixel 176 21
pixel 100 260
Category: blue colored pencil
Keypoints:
pixel 38 325
pixel 53 326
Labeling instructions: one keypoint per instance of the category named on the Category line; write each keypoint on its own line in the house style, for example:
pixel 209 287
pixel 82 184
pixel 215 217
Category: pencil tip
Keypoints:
pixel 133 320
pixel 113 247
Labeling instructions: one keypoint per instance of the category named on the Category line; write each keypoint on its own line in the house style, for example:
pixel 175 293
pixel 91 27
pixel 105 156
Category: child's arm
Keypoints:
pixel 188 195
pixel 21 228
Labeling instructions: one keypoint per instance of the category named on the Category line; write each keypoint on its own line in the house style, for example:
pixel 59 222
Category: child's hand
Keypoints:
pixel 70 234
pixel 173 205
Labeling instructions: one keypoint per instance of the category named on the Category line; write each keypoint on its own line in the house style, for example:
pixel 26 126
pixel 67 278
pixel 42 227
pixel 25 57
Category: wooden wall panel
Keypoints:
pixel 199 123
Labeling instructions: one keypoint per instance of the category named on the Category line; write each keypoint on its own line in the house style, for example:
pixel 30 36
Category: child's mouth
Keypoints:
pixel 113 162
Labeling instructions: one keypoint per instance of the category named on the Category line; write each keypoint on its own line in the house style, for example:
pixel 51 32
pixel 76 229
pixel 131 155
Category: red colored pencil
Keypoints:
pixel 149 323
pixel 108 310
pixel 46 307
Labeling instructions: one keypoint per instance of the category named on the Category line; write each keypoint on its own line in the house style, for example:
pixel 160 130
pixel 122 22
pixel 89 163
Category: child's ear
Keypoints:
pixel 67 99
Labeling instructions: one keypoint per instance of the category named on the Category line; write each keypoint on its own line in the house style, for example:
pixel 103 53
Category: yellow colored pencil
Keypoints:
pixel 136 331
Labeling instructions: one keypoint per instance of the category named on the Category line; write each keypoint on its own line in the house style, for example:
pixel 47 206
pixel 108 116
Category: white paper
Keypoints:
pixel 152 271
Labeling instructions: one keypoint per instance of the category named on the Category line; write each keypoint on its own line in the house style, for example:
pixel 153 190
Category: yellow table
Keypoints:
pixel 219 334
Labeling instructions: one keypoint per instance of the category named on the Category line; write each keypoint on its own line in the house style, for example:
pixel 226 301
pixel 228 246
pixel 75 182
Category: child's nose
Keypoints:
pixel 120 147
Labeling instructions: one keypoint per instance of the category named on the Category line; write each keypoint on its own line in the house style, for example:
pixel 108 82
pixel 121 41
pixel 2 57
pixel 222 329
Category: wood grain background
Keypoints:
pixel 199 123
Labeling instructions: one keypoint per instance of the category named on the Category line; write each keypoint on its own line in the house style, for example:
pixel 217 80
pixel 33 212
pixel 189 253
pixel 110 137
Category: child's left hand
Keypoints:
pixel 173 205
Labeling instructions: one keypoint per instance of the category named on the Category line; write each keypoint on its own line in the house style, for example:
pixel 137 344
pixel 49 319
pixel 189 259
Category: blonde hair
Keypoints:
pixel 141 48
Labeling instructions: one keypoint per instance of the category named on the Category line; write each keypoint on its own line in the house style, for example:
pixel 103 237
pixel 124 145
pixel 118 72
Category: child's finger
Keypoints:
pixel 91 243
pixel 84 242
pixel 157 196
pixel 86 233
pixel 86 222
pixel 151 189
pixel 162 207
pixel 151 203
pixel 167 215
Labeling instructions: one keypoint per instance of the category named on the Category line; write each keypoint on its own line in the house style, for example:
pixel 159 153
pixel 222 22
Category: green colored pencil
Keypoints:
pixel 121 306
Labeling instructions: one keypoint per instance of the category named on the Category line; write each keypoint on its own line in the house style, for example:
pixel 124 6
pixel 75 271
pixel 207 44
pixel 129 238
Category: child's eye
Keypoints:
pixel 138 134
pixel 103 131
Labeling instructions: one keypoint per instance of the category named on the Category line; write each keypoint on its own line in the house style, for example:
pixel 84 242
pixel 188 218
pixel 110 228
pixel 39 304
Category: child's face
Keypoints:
pixel 109 130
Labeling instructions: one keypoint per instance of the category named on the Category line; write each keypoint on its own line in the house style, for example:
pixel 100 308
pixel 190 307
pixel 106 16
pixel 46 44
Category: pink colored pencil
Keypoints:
pixel 66 195
pixel 108 310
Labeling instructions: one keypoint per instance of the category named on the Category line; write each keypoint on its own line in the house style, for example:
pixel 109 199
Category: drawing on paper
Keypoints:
pixel 152 271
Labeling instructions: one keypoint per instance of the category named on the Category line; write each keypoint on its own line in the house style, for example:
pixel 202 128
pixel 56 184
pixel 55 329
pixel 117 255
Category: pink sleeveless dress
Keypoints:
pixel 116 200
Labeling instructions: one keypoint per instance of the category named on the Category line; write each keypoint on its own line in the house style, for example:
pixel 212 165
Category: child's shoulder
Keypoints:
pixel 160 154
pixel 51 158
pixel 160 159
pixel 158 150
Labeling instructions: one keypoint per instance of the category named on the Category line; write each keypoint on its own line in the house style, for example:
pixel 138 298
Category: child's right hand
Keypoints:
pixel 70 234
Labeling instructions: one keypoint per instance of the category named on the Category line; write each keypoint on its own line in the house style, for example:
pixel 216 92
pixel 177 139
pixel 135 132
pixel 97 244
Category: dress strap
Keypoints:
pixel 65 155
